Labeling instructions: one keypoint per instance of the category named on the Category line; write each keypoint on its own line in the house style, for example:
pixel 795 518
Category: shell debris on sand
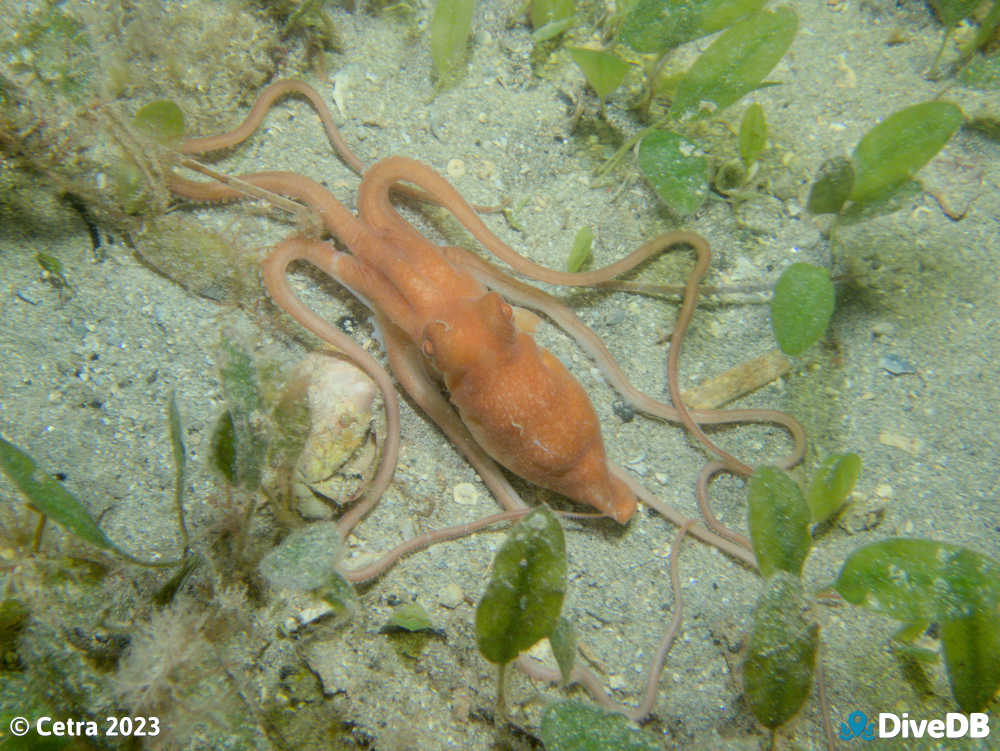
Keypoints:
pixel 337 456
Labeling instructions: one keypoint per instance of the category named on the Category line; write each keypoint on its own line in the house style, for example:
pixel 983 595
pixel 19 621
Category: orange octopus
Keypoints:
pixel 445 318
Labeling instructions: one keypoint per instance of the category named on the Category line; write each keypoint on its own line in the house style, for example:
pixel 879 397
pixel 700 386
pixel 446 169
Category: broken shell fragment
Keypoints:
pixel 339 452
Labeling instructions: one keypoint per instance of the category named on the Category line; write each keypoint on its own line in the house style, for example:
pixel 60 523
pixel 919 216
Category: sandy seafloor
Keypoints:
pixel 85 379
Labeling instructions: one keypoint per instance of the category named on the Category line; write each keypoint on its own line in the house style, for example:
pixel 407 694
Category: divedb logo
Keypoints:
pixel 891 725
pixel 954 725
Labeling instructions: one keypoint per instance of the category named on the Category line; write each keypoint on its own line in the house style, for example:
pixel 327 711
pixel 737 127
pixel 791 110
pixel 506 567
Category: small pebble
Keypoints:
pixel 895 365
pixel 623 410
pixel 312 508
pixel 465 494
pixel 899 441
pixel 455 168
pixel 451 596
pixel 638 465
pixel 615 317
pixel 407 528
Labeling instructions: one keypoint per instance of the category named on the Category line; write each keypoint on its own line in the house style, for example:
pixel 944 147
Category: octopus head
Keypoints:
pixel 472 334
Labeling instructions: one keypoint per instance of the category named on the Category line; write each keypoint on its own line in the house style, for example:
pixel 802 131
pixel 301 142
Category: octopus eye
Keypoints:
pixel 497 303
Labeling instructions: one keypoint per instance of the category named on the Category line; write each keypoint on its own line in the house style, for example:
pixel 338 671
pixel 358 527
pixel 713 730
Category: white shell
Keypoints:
pixel 338 454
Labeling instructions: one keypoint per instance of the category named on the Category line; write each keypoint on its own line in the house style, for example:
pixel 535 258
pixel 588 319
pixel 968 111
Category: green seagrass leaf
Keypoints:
pixel 545 12
pixel 450 27
pixel 580 251
pixel 604 71
pixel 972 658
pixel 892 152
pixel 241 438
pixel 832 186
pixel 563 643
pixel 657 26
pixel 950 12
pixel 735 64
pixel 753 134
pixel 801 307
pixel 781 653
pixel 162 121
pixel 779 522
pixel 571 725
pixel 832 483
pixel 411 616
pixel 914 580
pixel 524 596
pixel 49 496
pixel 675 169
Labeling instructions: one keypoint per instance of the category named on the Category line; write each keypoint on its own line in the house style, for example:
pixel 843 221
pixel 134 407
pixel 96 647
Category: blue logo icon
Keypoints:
pixel 857 726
